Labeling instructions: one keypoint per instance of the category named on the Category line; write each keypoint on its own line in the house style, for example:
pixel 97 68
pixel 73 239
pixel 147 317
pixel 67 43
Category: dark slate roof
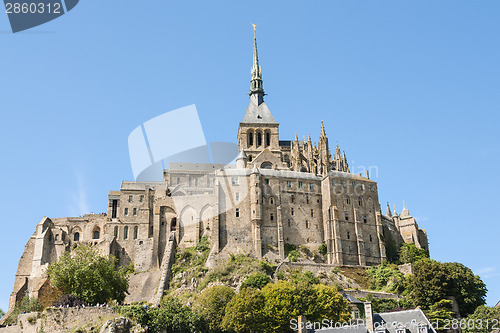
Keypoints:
pixel 258 114
pixel 351 299
pixel 285 143
pixel 390 320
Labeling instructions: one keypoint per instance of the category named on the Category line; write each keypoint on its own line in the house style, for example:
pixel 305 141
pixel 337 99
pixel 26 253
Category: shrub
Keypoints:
pixel 26 305
pixel 256 280
pixel 323 249
pixel 31 319
pixel 211 305
pixel 293 255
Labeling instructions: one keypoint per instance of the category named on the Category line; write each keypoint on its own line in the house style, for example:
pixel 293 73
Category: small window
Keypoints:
pixel 288 184
pixel 360 201
pixel 130 198
pixel 250 158
pixel 363 187
pixel 141 198
pixel 301 184
pixel 125 233
pixel 234 180
pixel 372 188
pixel 312 212
pixel 307 199
pixel 271 201
pixel 271 217
pixel 237 212
pixel 289 223
pixel 348 200
pixel 76 237
pixel 311 187
pixel 292 198
pixel 96 234
pixel 266 181
pixel 291 211
pixel 307 224
pixel 371 238
pixel 346 217
pixel 400 330
pixel 365 219
pixel 422 329
pixel 342 183
pixel 348 235
pixel 136 232
pixel 56 238
pixel 126 212
pixel 266 165
pixel 237 196
pixel 134 212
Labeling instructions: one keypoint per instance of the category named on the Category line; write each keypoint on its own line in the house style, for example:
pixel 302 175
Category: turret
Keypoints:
pixel 241 160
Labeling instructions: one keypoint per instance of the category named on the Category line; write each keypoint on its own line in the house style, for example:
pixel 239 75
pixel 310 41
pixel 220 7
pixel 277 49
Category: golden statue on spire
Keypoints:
pixel 254 26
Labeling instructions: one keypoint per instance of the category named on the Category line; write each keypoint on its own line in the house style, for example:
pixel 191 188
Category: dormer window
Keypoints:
pixel 422 329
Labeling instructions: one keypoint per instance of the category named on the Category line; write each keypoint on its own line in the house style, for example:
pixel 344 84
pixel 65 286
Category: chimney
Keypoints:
pixel 369 316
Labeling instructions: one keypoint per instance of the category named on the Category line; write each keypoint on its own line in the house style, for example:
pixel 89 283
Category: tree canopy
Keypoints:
pixel 432 281
pixel 211 305
pixel 410 253
pixel 88 275
pixel 483 320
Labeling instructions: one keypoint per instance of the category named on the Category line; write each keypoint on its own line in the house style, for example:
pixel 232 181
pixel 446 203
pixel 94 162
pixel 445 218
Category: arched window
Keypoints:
pixel 76 237
pixel 250 138
pixel 360 201
pixel 96 233
pixel 136 232
pixel 371 238
pixel 173 226
pixel 259 139
pixel 56 238
pixel 348 200
pixel 271 201
pixel 268 139
pixel 266 165
pixel 348 235
pixel 116 232
pixel 125 233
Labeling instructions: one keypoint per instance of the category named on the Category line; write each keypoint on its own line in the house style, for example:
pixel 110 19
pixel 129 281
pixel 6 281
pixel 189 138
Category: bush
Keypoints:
pixel 31 319
pixel 256 280
pixel 26 305
pixel 386 277
pixel 293 255
pixel 289 247
pixel 323 249
pixel 85 273
pixel 211 305
pixel 488 316
pixel 410 253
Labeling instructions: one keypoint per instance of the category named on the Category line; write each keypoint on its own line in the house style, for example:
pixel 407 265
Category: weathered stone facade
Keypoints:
pixel 278 192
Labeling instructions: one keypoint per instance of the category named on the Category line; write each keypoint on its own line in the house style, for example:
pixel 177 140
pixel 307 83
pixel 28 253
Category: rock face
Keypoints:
pixel 121 325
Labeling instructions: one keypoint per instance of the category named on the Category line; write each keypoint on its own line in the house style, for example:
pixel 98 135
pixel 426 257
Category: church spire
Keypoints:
pixel 256 86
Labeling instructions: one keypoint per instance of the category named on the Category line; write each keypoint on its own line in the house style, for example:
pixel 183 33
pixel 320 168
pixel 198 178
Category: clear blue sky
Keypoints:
pixel 410 87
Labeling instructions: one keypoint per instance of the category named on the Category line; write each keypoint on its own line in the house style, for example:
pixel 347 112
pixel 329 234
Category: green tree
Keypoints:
pixel 441 313
pixel 173 317
pixel 1 313
pixel 432 281
pixel 211 305
pixel 85 273
pixel 256 280
pixel 386 277
pixel 244 312
pixel 482 320
pixel 410 253
pixel 468 289
pixel 323 249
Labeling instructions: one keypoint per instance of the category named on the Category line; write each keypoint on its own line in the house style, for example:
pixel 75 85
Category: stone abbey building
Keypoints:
pixel 279 191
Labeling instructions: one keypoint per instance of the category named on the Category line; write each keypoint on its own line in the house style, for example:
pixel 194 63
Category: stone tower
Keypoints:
pixel 258 131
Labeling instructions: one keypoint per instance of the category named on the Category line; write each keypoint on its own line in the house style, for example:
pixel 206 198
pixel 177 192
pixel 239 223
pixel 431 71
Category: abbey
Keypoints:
pixel 279 192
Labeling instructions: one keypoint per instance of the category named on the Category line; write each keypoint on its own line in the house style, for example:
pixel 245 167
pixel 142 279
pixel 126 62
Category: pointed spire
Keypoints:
pixel 296 138
pixel 309 139
pixel 394 214
pixel 323 133
pixel 388 212
pixel 256 85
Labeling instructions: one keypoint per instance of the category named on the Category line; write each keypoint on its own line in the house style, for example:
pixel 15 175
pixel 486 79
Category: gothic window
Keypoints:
pixel 56 238
pixel 134 212
pixel 266 165
pixel 237 212
pixel 348 200
pixel 116 232
pixel 259 139
pixel 348 235
pixel 114 206
pixel 136 232
pixel 96 233
pixel 125 233
pixel 268 139
pixel 360 201
pixel 130 198
pixel 76 237
pixel 126 212
pixel 250 138
pixel 271 217
pixel 346 217
pixel 271 201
